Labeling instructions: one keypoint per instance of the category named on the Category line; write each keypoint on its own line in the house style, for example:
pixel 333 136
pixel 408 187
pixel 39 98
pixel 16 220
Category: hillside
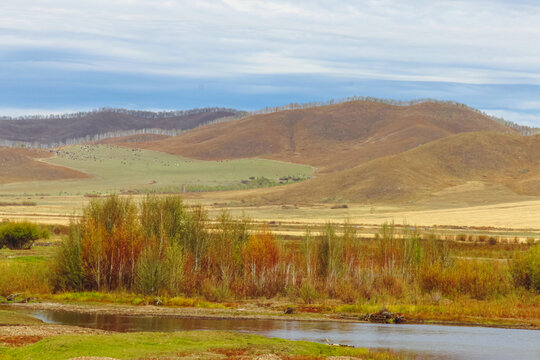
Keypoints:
pixel 333 137
pixel 491 158
pixel 21 165
pixel 62 129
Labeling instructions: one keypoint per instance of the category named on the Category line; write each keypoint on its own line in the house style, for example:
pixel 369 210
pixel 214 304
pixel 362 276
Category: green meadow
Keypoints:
pixel 118 169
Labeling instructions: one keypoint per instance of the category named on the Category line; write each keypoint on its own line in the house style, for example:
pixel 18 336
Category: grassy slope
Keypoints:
pixel 20 165
pixel 492 158
pixel 116 168
pixel 332 137
pixel 203 344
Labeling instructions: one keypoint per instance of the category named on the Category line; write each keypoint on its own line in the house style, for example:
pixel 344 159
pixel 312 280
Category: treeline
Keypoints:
pixel 137 113
pixel 522 129
pixel 161 246
pixel 107 135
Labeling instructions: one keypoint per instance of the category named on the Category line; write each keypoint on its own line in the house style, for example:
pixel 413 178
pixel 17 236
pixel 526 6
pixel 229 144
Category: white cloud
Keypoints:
pixel 460 41
pixel 448 41
pixel 523 118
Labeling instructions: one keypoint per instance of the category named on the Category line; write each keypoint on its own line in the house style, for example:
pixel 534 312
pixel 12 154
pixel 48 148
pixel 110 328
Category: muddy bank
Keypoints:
pixel 47 330
pixel 22 335
pixel 248 313
pixel 253 312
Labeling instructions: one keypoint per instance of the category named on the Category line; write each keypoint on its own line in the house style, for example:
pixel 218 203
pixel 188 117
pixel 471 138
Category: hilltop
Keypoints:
pixel 74 128
pixel 363 151
pixel 333 137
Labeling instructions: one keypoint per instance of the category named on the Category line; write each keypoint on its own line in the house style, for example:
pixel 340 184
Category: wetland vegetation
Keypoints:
pixel 124 252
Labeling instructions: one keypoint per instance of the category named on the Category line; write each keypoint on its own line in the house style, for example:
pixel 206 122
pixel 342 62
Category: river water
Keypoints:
pixel 427 341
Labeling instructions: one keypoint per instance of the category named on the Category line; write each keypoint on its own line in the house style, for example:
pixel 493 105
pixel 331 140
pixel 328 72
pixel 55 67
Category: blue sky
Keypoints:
pixel 65 55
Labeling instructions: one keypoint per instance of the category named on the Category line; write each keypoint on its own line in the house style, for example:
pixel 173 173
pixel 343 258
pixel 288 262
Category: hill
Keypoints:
pixel 332 137
pixel 21 165
pixel 73 128
pixel 490 158
pixel 124 170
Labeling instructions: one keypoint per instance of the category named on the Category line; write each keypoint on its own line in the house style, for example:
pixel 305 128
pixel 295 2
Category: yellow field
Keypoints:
pixel 513 219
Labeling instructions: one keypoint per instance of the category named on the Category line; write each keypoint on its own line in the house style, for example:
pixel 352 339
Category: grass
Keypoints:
pixel 508 311
pixel 126 298
pixel 14 318
pixel 117 169
pixel 192 344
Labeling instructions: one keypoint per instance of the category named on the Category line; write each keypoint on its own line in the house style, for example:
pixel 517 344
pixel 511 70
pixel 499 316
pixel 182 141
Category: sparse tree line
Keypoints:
pixel 107 135
pixel 137 113
pixel 524 130
pixel 161 246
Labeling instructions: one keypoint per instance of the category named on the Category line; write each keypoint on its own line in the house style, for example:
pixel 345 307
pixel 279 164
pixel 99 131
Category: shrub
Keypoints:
pixel 308 293
pixel 19 235
pixel 111 242
pixel 19 277
pixel 68 266
pixel 150 275
pixel 525 269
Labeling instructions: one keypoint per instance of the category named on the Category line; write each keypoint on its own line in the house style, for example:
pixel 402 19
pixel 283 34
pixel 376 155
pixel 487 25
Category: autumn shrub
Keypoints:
pixel 261 259
pixel 163 247
pixel 20 277
pixel 477 279
pixel 111 243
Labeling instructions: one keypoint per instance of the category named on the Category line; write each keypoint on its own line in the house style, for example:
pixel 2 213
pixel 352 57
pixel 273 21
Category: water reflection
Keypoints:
pixel 448 342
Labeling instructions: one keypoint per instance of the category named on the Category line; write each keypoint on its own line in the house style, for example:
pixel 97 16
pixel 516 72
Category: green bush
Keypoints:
pixel 525 269
pixel 308 293
pixel 19 235
pixel 150 274
pixel 68 265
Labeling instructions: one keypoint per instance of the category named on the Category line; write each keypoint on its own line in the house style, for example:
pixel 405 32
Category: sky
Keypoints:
pixel 64 56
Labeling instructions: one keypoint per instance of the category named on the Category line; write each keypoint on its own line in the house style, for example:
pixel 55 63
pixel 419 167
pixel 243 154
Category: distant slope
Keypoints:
pixel 131 139
pixel 64 128
pixel 20 165
pixel 332 137
pixel 492 158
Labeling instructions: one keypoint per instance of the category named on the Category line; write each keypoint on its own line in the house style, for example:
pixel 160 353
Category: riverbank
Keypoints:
pixel 418 314
pixel 25 337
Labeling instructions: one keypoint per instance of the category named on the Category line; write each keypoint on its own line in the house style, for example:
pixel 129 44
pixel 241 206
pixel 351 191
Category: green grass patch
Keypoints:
pixel 117 169
pixel 201 344
pixel 14 318
pixel 130 299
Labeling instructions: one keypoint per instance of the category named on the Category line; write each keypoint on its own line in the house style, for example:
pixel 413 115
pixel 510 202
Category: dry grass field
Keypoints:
pixel 510 219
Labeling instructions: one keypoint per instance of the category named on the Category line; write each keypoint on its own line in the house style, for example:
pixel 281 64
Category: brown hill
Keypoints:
pixel 491 158
pixel 333 137
pixel 21 165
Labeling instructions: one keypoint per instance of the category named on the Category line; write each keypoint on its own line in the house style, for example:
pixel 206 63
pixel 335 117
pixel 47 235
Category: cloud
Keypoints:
pixel 524 118
pixel 468 42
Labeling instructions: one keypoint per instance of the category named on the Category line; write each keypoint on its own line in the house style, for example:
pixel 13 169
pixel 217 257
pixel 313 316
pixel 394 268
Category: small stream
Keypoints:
pixel 427 341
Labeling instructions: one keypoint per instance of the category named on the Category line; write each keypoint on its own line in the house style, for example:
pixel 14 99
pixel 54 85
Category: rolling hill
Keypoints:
pixel 512 161
pixel 73 127
pixel 21 165
pixel 363 151
pixel 332 138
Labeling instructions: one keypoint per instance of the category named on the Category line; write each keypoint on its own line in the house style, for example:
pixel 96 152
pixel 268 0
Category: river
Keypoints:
pixel 427 341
